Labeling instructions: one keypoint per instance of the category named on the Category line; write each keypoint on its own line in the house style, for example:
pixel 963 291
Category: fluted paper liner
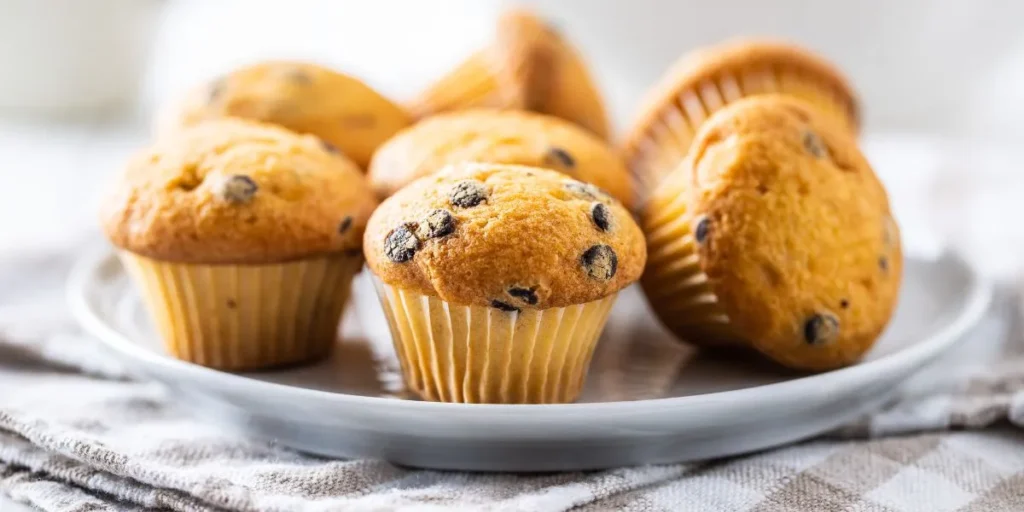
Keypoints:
pixel 670 134
pixel 475 354
pixel 676 286
pixel 498 76
pixel 246 317
pixel 477 82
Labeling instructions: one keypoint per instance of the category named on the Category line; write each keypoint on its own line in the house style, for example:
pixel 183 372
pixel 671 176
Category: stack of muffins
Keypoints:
pixel 499 224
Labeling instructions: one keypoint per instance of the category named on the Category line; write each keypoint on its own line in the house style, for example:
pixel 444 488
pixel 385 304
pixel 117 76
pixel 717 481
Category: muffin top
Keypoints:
pixel 498 136
pixel 729 59
pixel 504 236
pixel 235 191
pixel 793 230
pixel 303 97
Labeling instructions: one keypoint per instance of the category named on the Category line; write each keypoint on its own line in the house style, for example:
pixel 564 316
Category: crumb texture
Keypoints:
pixel 234 191
pixel 509 237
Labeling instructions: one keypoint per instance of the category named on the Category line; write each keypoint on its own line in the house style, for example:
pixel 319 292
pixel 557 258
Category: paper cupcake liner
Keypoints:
pixel 246 317
pixel 669 136
pixel 676 287
pixel 481 81
pixel 474 354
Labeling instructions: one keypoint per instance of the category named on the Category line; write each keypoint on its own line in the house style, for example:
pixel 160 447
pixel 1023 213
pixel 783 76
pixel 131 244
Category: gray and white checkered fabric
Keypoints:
pixel 77 434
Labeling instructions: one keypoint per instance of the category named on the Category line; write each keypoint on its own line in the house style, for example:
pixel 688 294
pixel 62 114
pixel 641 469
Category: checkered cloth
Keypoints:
pixel 77 434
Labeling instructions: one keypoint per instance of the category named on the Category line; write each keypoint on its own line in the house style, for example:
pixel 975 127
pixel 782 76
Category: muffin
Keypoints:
pixel 708 79
pixel 497 280
pixel 774 234
pixel 244 239
pixel 306 98
pixel 498 136
pixel 529 66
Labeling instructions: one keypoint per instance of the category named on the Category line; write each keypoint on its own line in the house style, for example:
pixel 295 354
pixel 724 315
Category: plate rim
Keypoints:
pixel 975 303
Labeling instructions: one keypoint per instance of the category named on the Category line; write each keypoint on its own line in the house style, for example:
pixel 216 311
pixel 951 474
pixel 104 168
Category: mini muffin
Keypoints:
pixel 708 79
pixel 774 234
pixel 529 66
pixel 244 239
pixel 498 279
pixel 498 136
pixel 306 98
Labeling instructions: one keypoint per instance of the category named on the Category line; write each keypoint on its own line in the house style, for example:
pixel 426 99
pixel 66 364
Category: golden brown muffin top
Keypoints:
pixel 234 191
pixel 300 96
pixel 707 64
pixel 498 136
pixel 504 236
pixel 793 230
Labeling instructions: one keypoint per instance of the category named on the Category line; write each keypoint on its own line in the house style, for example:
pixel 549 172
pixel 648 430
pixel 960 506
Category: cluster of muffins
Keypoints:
pixel 498 223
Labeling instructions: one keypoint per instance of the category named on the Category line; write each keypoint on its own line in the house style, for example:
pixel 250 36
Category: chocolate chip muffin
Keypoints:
pixel 243 238
pixel 345 113
pixel 497 280
pixel 529 66
pixel 774 234
pixel 707 79
pixel 498 136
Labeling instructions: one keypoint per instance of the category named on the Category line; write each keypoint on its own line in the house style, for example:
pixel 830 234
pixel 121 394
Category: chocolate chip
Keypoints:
pixel 883 263
pixel 504 306
pixel 602 216
pixel 401 244
pixel 299 76
pixel 330 148
pixel 468 193
pixel 559 157
pixel 527 295
pixel 238 189
pixel 821 328
pixel 814 145
pixel 585 190
pixel 844 303
pixel 700 233
pixel 600 262
pixel 232 304
pixel 345 224
pixel 438 223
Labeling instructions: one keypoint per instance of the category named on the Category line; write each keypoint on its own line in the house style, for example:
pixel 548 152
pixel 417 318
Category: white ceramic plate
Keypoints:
pixel 648 399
